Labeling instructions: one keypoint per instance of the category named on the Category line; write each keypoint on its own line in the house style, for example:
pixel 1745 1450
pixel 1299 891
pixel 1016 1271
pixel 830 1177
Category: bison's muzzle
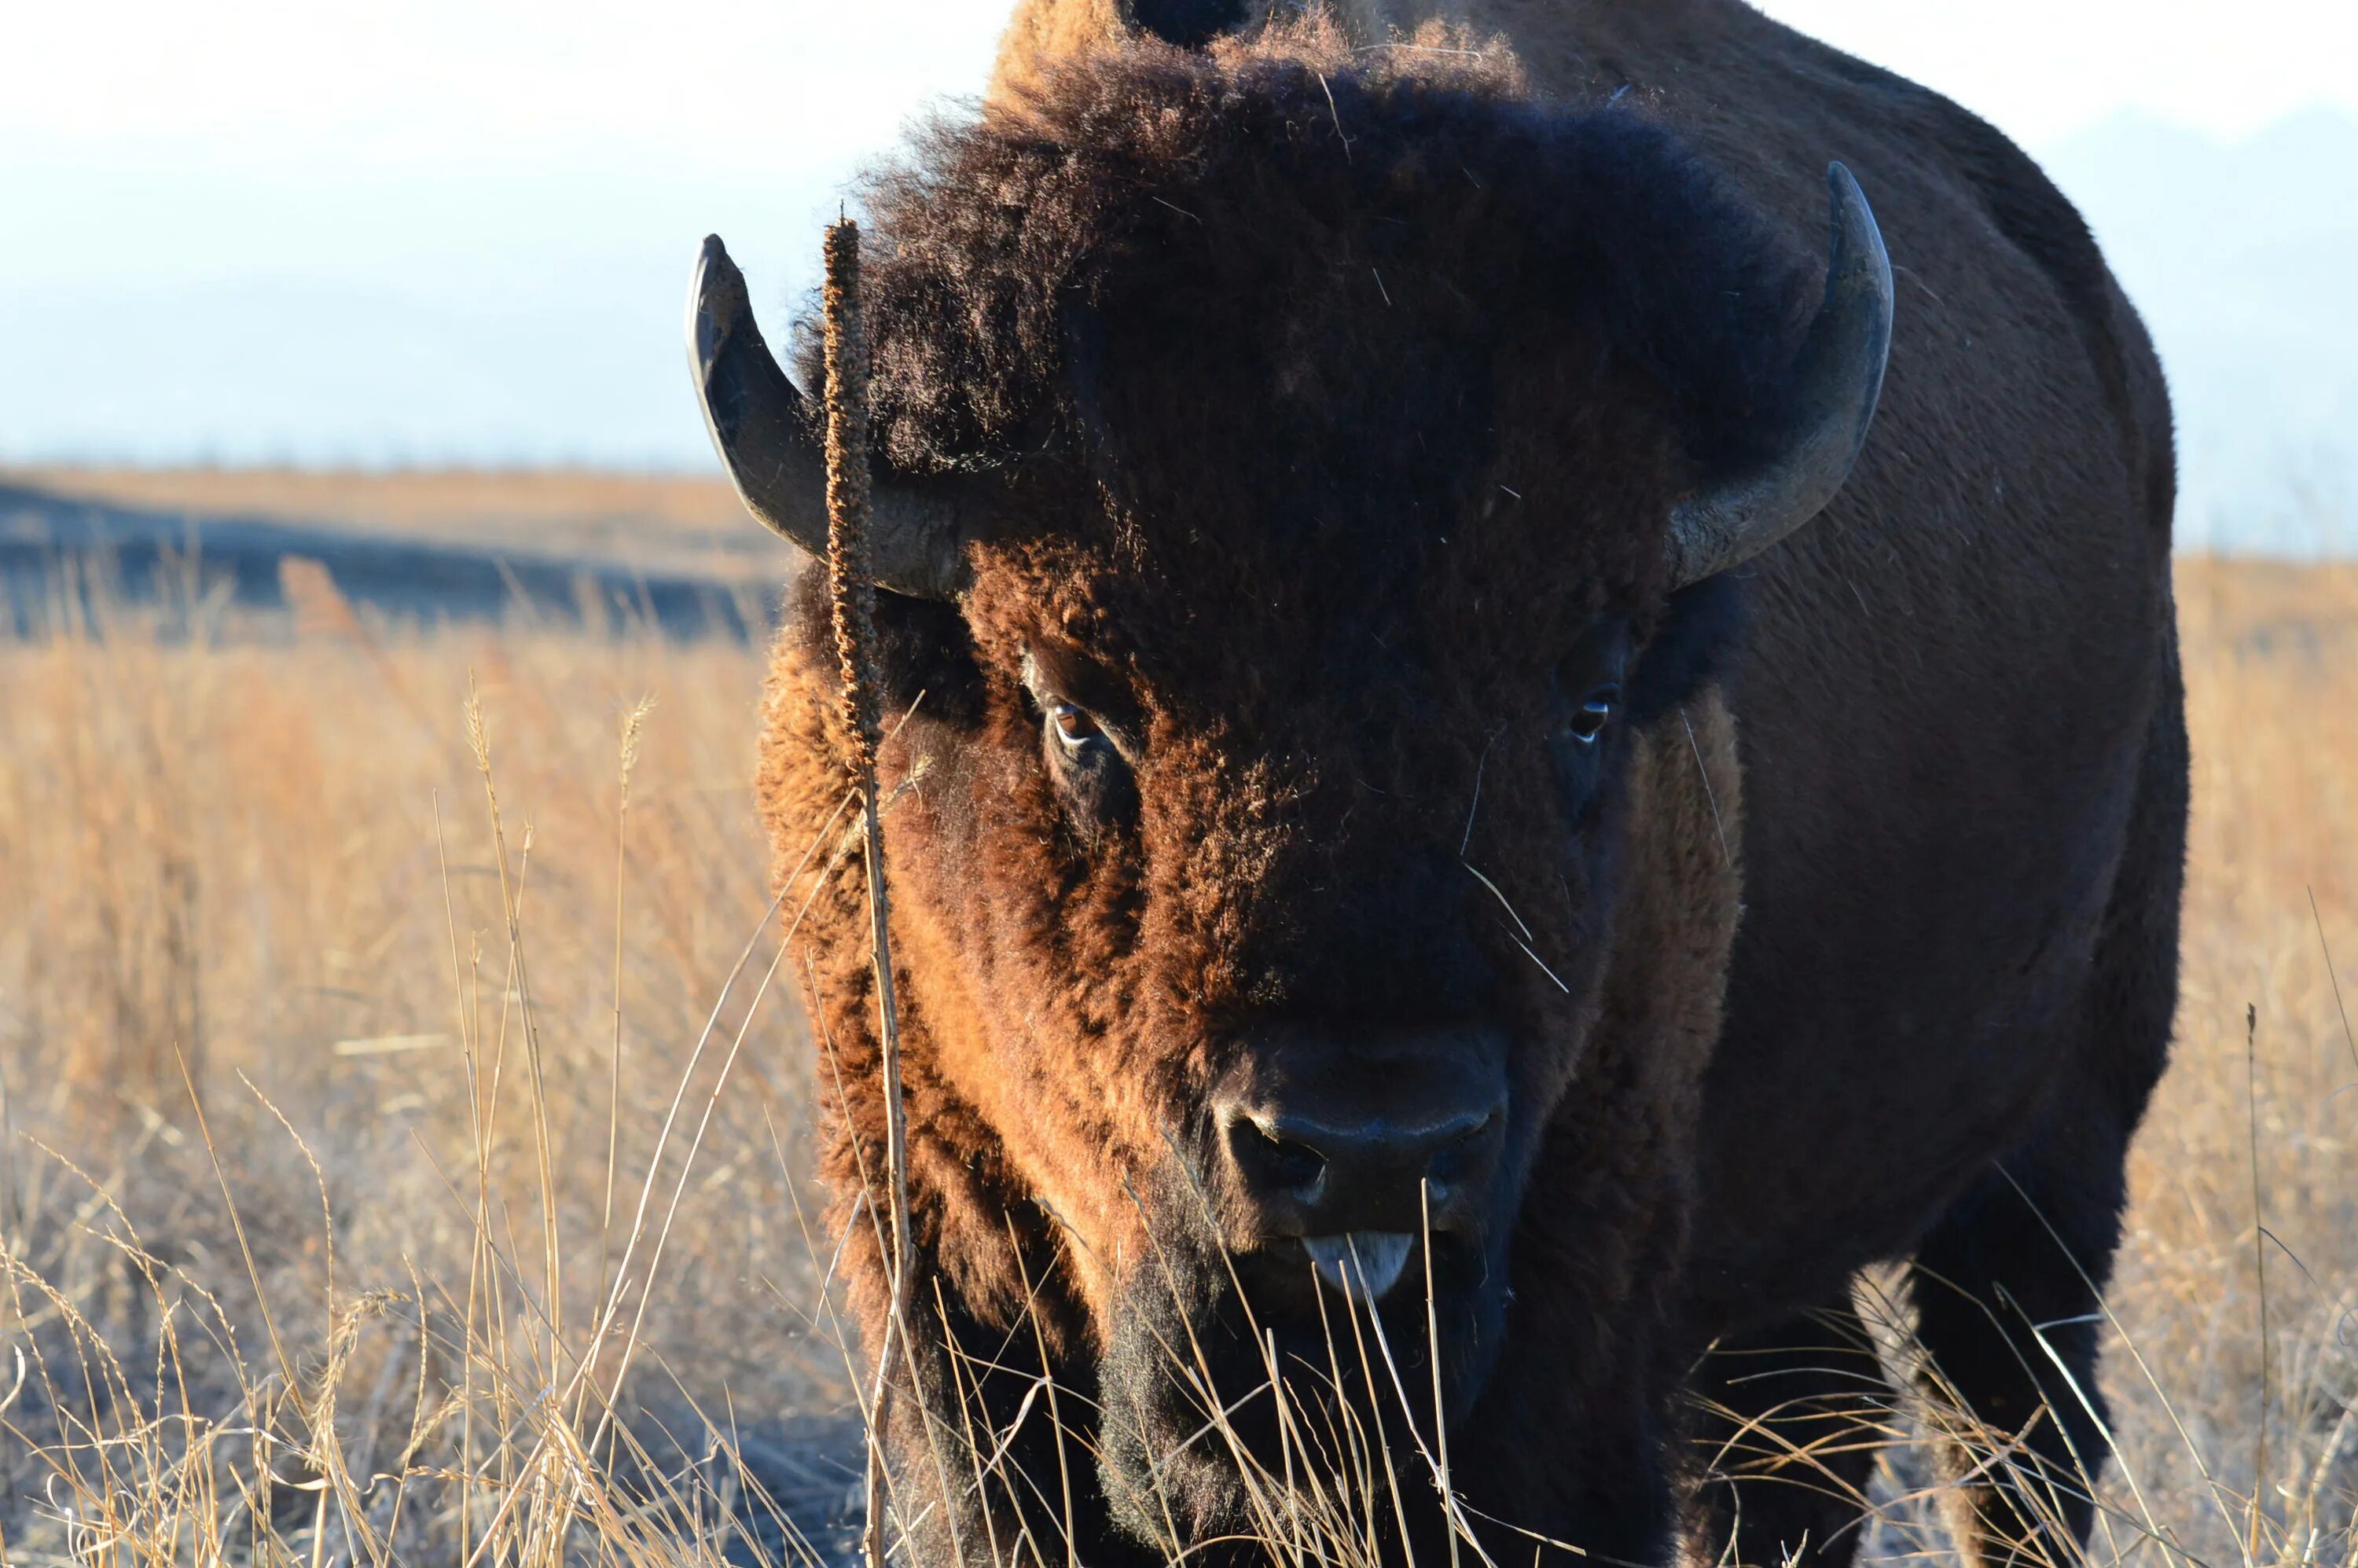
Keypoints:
pixel 1341 1149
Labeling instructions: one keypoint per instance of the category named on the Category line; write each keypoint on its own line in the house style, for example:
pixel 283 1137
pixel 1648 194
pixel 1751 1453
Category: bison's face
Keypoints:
pixel 1288 477
pixel 1257 889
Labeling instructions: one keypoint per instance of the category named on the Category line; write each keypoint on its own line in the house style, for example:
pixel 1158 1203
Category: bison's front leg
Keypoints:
pixel 1785 1423
pixel 986 1464
pixel 990 1432
pixel 1568 1485
pixel 1569 1448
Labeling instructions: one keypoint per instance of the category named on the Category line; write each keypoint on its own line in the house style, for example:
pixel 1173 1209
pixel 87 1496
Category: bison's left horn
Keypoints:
pixel 1837 378
pixel 772 448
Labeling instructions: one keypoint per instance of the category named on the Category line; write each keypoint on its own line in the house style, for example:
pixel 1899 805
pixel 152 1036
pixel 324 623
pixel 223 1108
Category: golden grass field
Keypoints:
pixel 397 1163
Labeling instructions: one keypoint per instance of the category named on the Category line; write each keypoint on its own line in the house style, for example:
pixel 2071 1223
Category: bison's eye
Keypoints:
pixel 1589 723
pixel 1090 767
pixel 1089 758
pixel 1075 729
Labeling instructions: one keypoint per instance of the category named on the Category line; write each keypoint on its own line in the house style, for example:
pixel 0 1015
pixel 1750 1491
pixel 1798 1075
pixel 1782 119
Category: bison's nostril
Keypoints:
pixel 1320 1136
pixel 1451 1162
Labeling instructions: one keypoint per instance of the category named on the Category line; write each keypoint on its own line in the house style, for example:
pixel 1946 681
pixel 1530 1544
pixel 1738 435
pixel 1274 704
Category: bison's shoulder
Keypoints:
pixel 2038 220
pixel 2017 205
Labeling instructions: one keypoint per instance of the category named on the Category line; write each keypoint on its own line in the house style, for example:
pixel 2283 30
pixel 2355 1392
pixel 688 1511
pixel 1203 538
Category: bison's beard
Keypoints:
pixel 1195 1448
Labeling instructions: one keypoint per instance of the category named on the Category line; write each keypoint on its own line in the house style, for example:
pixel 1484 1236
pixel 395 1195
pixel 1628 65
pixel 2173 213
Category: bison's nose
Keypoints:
pixel 1335 1175
pixel 1322 1139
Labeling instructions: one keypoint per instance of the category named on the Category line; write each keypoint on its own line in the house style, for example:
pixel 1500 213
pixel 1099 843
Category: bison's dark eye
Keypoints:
pixel 1587 694
pixel 1089 758
pixel 1589 722
pixel 1076 730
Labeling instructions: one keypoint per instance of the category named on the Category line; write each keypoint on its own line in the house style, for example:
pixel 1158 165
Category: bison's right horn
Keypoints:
pixel 1837 380
pixel 773 451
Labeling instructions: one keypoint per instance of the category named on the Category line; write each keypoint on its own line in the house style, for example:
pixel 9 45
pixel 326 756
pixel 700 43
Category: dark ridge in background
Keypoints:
pixel 59 551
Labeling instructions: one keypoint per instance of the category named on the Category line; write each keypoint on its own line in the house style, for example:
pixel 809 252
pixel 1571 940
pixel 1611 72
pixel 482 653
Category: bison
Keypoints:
pixel 1521 753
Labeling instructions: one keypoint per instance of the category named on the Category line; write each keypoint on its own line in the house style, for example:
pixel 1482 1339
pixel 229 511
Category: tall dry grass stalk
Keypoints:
pixel 852 592
pixel 473 1232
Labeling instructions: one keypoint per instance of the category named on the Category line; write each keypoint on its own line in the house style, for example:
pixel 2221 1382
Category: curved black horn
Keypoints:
pixel 1837 378
pixel 771 446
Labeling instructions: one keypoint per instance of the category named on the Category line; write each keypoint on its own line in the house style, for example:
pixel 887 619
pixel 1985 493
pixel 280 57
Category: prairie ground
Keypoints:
pixel 403 1117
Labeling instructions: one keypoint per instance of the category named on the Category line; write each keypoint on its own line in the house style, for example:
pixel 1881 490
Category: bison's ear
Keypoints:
pixel 771 444
pixel 1836 382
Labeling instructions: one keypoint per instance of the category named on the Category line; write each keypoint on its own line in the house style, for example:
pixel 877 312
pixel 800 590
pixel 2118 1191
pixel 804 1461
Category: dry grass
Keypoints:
pixel 363 1308
pixel 2255 1120
pixel 400 996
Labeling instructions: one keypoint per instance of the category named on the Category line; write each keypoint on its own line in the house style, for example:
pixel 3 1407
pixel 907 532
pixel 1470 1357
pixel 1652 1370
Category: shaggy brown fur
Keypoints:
pixel 1319 408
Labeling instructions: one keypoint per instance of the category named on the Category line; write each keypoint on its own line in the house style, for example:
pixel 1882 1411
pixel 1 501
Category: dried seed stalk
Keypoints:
pixel 853 595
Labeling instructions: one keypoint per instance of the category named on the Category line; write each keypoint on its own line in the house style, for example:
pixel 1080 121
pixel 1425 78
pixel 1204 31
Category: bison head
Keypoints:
pixel 1300 492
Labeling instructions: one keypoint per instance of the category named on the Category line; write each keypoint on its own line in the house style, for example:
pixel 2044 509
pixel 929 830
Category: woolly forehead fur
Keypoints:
pixel 1274 307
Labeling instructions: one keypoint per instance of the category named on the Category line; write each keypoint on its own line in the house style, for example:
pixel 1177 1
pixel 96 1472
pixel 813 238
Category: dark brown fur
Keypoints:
pixel 1316 408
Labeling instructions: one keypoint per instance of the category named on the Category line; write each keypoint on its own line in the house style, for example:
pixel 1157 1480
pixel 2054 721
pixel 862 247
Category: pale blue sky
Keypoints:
pixel 725 84
pixel 458 229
